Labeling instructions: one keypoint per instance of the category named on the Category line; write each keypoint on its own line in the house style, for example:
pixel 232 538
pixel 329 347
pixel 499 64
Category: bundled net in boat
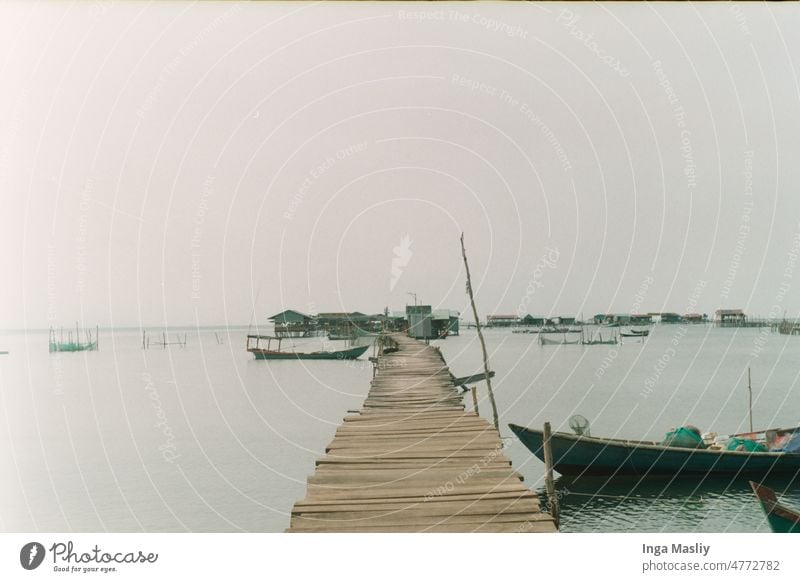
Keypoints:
pixel 687 437
pixel 747 445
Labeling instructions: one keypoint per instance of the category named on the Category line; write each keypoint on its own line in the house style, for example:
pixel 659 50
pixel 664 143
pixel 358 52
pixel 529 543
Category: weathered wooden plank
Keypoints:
pixel 412 459
pixel 480 527
pixel 437 508
pixel 434 510
pixel 349 498
pixel 377 518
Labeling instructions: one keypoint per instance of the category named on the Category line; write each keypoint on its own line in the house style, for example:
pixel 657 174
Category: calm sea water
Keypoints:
pixel 640 390
pixel 204 438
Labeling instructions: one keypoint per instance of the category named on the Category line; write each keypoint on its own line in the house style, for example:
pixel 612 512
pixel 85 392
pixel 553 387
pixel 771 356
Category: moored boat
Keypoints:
pixel 635 333
pixel 562 329
pixel 782 519
pixel 260 353
pixel 546 341
pixel 585 455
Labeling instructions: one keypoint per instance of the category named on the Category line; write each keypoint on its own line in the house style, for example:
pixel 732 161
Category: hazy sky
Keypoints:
pixel 177 163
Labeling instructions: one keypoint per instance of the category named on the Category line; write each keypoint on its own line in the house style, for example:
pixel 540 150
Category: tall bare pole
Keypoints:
pixel 480 337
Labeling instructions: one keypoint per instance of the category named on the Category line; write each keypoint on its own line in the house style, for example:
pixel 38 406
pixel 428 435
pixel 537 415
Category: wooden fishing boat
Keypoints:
pixel 553 329
pixel 601 342
pixel 336 336
pixel 585 455
pixel 782 519
pixel 254 346
pixel 635 333
pixel 546 341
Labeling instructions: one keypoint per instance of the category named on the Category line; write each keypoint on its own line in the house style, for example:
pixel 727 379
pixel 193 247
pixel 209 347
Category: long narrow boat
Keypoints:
pixel 552 329
pixel 635 333
pixel 254 347
pixel 781 519
pixel 585 455
pixel 545 341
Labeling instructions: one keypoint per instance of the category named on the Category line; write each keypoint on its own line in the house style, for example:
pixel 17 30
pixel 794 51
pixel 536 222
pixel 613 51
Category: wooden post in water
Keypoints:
pixel 750 393
pixel 480 337
pixel 549 483
pixel 474 391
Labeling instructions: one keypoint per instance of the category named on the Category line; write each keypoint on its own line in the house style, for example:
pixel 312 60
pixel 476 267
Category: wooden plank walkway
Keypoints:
pixel 412 460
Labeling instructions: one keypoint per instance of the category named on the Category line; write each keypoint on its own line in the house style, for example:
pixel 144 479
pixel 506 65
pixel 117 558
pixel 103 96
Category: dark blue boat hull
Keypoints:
pixel 782 519
pixel 574 455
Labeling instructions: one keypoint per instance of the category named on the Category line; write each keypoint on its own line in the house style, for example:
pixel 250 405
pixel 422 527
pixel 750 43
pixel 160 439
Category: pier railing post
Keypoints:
pixel 549 482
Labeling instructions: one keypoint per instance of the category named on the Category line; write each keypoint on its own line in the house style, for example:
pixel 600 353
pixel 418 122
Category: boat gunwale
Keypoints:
pixel 768 500
pixel 359 349
pixel 659 447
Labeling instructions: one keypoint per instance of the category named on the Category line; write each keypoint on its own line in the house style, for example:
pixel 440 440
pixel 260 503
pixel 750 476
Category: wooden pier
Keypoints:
pixel 413 460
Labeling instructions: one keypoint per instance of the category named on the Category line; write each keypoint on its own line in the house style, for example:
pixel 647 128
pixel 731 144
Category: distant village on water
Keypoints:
pixel 424 322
